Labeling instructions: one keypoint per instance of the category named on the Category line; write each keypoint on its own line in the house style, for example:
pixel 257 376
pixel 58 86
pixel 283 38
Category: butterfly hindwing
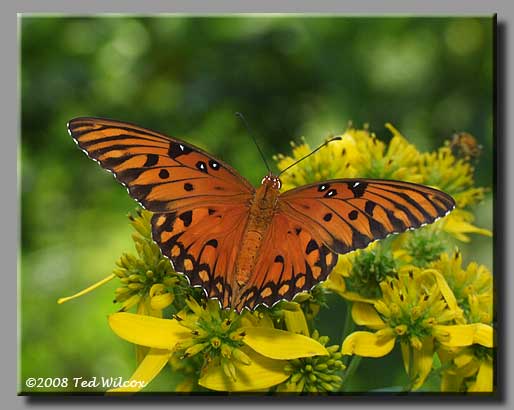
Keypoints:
pixel 203 243
pixel 290 261
pixel 160 172
pixel 348 214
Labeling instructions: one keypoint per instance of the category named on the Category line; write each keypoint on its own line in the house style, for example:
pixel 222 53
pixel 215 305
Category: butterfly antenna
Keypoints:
pixel 312 152
pixel 242 118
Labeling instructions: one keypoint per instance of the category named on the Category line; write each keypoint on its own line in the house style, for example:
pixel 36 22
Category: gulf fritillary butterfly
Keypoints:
pixel 247 246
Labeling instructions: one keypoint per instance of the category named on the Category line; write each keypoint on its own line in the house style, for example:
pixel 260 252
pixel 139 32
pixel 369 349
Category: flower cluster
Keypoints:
pixel 409 290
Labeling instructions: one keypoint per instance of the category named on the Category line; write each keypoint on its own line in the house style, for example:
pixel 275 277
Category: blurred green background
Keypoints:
pixel 187 76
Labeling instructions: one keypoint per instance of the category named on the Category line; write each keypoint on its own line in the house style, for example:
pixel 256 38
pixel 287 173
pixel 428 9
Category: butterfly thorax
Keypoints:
pixel 263 207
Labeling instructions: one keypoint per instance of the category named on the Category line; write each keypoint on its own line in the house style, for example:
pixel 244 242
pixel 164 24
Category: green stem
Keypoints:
pixel 408 386
pixel 349 327
pixel 350 371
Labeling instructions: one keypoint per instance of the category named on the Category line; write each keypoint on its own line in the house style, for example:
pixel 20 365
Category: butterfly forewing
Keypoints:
pixel 348 214
pixel 162 173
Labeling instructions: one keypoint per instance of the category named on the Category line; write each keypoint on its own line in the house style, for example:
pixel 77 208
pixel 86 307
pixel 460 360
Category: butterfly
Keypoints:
pixel 247 246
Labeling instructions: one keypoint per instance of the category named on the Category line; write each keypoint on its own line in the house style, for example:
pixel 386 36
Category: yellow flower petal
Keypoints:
pixel 162 301
pixel 464 358
pixel 484 381
pixel 455 335
pixel 457 225
pixel 355 297
pixel 446 291
pixel 365 314
pixel 464 335
pixel 483 335
pixel 262 373
pixel 368 344
pixel 150 367
pixel 422 361
pixel 256 319
pixel 278 344
pixel 295 322
pixel 147 330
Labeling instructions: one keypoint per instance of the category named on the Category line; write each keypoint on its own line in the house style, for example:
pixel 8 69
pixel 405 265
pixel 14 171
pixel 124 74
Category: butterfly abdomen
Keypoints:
pixel 261 213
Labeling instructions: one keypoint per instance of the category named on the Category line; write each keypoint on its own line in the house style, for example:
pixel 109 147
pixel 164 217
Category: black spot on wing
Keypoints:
pixel 200 165
pixel 358 188
pixel 187 218
pixel 164 174
pixel 353 215
pixel 279 259
pixel 212 242
pixel 214 165
pixel 177 149
pixel 330 193
pixel 311 246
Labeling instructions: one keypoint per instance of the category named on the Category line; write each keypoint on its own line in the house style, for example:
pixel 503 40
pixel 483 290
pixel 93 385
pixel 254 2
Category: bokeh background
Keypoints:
pixel 186 76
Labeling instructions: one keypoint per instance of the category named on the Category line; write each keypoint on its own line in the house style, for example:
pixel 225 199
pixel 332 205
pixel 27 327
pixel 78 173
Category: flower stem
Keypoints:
pixel 350 370
pixel 408 386
pixel 349 327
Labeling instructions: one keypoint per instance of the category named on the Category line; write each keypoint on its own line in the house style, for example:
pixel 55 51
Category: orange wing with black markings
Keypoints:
pixel 316 222
pixel 348 214
pixel 160 172
pixel 203 243
pixel 198 200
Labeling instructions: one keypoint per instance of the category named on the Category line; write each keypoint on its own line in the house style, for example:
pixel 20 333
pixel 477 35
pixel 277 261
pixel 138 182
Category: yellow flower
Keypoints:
pixel 238 353
pixel 333 161
pixel 441 169
pixel 416 310
pixel 373 160
pixel 459 223
pixel 454 176
pixel 357 154
pixel 469 368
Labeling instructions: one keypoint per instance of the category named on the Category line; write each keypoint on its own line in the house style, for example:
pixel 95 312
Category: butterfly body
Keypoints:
pixel 263 207
pixel 241 245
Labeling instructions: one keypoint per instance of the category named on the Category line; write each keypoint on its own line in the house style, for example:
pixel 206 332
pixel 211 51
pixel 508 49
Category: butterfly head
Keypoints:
pixel 271 181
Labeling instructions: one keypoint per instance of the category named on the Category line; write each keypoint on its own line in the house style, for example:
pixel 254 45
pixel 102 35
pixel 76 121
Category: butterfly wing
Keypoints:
pixel 316 222
pixel 348 214
pixel 203 243
pixel 200 204
pixel 290 261
pixel 161 173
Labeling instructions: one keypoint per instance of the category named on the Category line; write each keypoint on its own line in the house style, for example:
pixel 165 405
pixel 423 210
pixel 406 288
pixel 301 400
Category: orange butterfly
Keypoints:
pixel 247 246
